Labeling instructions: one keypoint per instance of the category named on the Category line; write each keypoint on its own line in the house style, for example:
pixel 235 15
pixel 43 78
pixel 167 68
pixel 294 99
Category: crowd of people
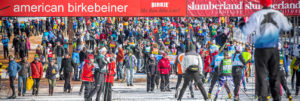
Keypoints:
pixel 109 47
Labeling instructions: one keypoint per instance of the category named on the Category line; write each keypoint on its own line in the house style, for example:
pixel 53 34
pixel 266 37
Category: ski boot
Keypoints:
pixel 236 98
pixel 229 96
pixel 268 98
pixel 209 96
pixel 176 93
pixel 290 98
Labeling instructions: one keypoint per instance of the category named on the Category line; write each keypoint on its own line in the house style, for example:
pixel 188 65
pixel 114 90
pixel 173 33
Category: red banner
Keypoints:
pixel 92 8
pixel 215 8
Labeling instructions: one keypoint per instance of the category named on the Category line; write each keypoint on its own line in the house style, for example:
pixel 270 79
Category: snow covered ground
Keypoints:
pixel 138 93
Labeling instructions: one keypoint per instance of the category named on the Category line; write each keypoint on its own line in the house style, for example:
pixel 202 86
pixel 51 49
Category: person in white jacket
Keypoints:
pixel 191 68
pixel 267 23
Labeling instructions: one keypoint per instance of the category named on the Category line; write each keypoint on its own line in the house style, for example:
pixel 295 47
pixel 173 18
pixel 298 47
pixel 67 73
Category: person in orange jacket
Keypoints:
pixel 37 74
pixel 87 76
pixel 109 80
pixel 180 75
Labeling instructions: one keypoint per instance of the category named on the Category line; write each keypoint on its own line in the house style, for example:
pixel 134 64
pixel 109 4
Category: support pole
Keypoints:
pixel 70 33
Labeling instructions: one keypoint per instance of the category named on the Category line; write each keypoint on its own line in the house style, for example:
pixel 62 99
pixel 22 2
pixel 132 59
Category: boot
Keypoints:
pixel 268 98
pixel 209 96
pixel 52 92
pixel 192 95
pixel 33 91
pixel 19 93
pixel 229 96
pixel 215 99
pixel 176 93
pixel 290 98
pixel 12 97
pixel 297 92
pixel 49 92
pixel 37 92
pixel 236 98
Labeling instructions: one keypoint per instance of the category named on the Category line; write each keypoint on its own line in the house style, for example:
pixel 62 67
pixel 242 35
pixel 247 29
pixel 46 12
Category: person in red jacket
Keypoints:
pixel 207 68
pixel 109 80
pixel 164 69
pixel 37 74
pixel 87 76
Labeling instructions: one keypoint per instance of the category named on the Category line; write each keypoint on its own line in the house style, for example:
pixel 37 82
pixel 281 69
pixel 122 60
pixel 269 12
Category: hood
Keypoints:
pixel 193 52
pixel 12 62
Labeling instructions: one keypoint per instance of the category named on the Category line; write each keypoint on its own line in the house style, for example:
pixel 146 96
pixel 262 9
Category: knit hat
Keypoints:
pixel 266 3
pixel 90 56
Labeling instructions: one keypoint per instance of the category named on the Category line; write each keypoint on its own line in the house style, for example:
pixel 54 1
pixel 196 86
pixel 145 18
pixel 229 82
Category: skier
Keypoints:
pixel 225 71
pixel 180 75
pixel 267 23
pixel 191 68
pixel 283 72
pixel 238 63
pixel 215 65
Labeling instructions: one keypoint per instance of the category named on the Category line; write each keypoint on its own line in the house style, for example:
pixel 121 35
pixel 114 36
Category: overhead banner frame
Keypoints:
pixel 92 8
pixel 151 8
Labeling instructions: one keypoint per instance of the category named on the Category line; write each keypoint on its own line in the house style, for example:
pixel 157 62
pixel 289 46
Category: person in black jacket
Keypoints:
pixel 83 55
pixel 100 69
pixel 59 53
pixel 23 45
pixel 238 63
pixel 151 71
pixel 50 75
pixel 67 66
pixel 16 45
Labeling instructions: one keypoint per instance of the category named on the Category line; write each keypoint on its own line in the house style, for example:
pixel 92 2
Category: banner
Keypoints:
pixel 171 58
pixel 216 8
pixel 92 8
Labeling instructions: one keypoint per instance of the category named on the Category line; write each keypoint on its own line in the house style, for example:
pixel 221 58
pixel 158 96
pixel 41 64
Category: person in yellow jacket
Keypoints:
pixel 294 69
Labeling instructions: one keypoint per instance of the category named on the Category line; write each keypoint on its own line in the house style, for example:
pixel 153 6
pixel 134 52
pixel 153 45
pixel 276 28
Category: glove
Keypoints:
pixel 53 71
pixel 298 70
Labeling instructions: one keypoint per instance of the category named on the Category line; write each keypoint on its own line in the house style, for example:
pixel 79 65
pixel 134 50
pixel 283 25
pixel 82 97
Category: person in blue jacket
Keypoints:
pixel 5 42
pixel 12 70
pixel 75 57
pixel 268 24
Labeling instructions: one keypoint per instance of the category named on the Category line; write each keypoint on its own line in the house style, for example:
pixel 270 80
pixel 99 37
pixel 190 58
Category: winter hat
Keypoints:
pixel 103 49
pixel 164 54
pixel 193 47
pixel 90 56
pixel 266 3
